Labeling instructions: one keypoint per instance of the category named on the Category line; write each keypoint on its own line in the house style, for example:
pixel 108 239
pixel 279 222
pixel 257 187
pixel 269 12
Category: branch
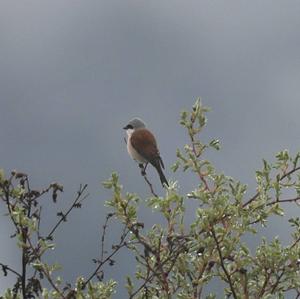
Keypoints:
pixel 132 228
pixel 143 285
pixel 289 173
pixel 278 201
pixel 108 216
pixel 44 270
pixel 63 218
pixel 171 257
pixel 6 268
pixel 108 258
pixel 9 207
pixel 284 200
pixel 280 179
pixel 223 264
pixel 277 281
pixel 295 243
pixel 250 200
pixel 24 260
pixel 263 289
pixel 144 175
pixel 201 176
pixel 245 283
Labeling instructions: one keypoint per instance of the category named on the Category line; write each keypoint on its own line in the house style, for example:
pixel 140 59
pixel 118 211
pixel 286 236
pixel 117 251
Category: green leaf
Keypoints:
pixel 215 143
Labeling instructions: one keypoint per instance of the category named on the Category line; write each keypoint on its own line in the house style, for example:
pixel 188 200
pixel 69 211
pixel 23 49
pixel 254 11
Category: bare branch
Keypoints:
pixel 108 258
pixel 6 268
pixel 77 200
pixel 296 199
pixel 144 175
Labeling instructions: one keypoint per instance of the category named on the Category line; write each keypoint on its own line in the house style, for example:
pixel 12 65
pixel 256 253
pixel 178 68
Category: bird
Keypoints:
pixel 142 147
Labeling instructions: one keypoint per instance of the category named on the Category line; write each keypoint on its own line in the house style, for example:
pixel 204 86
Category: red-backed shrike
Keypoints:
pixel 142 147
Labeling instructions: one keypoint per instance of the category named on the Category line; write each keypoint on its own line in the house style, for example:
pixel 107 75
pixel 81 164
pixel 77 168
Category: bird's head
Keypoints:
pixel 135 123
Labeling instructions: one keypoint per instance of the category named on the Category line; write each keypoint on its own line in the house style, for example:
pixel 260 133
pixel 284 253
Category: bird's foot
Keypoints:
pixel 143 168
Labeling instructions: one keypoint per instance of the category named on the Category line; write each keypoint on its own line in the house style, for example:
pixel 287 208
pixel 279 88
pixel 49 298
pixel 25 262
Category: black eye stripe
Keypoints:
pixel 128 127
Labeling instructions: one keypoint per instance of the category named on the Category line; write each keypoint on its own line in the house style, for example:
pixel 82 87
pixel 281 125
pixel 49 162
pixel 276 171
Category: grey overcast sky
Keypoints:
pixel 72 73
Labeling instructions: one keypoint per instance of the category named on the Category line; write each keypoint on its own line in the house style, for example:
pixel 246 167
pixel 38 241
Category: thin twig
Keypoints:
pixel 201 176
pixel 144 175
pixel 280 179
pixel 173 257
pixel 263 288
pixel 295 243
pixel 45 270
pixel 296 199
pixel 108 258
pixel 64 216
pixel 108 216
pixel 284 200
pixel 24 261
pixel 142 286
pixel 245 285
pixel 150 185
pixel 7 268
pixel 223 264
pixel 277 281
pixel 9 208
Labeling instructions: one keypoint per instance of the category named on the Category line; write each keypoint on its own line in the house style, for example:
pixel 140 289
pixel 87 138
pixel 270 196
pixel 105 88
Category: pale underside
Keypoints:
pixel 133 153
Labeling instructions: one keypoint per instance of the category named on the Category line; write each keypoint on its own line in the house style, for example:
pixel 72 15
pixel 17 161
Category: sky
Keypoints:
pixel 73 73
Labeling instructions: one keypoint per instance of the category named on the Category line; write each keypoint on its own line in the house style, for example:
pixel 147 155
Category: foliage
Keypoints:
pixel 24 209
pixel 181 258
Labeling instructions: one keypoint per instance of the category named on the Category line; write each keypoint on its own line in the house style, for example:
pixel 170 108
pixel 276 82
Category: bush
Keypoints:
pixel 175 260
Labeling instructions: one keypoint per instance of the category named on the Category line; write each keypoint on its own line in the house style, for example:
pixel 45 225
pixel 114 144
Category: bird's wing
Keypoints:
pixel 161 162
pixel 144 143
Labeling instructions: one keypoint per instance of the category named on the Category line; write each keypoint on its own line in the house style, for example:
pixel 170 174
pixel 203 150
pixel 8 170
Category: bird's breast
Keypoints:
pixel 133 153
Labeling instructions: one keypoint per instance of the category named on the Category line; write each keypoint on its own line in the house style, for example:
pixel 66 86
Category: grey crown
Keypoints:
pixel 135 123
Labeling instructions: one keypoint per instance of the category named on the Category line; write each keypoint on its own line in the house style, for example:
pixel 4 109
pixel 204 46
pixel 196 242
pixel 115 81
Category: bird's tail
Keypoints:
pixel 161 175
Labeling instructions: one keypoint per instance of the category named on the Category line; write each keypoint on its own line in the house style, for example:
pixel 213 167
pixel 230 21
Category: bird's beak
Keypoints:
pixel 125 128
